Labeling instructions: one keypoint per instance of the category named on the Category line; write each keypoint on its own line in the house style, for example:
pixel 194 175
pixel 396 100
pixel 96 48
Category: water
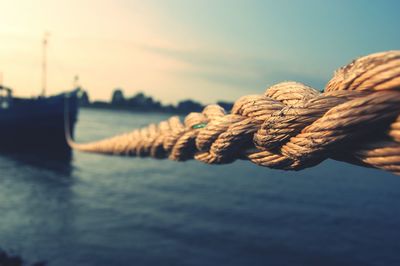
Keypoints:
pixel 102 210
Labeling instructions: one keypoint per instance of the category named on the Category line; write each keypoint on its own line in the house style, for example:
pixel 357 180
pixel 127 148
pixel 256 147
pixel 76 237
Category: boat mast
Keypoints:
pixel 76 82
pixel 44 64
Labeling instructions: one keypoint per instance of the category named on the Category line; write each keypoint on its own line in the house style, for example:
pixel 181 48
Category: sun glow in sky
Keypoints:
pixel 173 50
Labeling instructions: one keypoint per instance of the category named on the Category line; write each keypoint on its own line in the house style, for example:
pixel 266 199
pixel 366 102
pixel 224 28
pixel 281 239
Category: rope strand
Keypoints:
pixel 291 126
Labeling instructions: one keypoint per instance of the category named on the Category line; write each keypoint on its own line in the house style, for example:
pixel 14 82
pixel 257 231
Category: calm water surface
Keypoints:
pixel 101 210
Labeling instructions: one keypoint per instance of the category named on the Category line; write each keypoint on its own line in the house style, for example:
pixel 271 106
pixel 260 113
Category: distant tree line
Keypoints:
pixel 141 102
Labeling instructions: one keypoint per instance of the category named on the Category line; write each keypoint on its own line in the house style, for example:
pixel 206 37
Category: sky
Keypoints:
pixel 179 49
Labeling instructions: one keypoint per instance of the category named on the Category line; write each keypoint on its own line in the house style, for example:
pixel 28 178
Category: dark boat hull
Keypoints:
pixel 37 125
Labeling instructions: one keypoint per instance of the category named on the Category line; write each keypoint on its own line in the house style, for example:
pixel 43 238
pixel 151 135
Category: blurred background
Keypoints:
pixel 205 50
pixel 138 62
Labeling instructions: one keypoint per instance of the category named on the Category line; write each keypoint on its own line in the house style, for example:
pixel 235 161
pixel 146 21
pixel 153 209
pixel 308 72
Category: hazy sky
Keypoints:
pixel 172 50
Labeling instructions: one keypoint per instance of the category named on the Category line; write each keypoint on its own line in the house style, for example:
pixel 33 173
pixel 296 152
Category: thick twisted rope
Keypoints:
pixel 291 126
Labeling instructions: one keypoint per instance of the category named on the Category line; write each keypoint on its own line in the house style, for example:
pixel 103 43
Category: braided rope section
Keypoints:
pixel 291 126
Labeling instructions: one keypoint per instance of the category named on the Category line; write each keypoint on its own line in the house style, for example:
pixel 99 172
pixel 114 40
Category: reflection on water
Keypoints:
pixel 58 163
pixel 101 210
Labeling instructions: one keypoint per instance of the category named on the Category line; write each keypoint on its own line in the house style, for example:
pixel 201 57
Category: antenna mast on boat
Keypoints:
pixel 76 82
pixel 44 64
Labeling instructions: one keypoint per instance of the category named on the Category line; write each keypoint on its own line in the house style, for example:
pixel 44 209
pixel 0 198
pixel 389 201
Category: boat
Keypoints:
pixel 36 125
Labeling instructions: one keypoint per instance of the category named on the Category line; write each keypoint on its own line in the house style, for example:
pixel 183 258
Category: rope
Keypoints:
pixel 291 126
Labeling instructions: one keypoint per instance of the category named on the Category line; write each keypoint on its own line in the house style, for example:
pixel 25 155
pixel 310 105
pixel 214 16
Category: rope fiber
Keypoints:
pixel 356 119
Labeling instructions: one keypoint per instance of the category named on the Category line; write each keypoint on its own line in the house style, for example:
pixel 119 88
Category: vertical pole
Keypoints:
pixel 76 82
pixel 44 65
